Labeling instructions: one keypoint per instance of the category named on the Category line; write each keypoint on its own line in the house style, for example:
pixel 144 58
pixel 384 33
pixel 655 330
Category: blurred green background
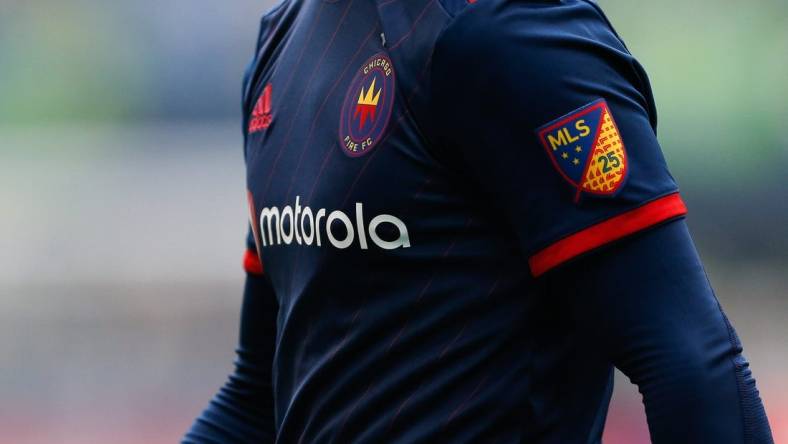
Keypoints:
pixel 121 200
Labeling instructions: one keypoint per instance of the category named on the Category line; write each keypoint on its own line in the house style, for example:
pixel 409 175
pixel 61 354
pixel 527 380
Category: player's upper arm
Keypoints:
pixel 545 110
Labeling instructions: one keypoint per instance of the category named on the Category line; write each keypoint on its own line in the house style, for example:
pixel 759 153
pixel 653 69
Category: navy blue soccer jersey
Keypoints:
pixel 418 173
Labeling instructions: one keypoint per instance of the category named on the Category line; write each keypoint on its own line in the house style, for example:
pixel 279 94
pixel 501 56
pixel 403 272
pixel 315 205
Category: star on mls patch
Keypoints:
pixel 587 150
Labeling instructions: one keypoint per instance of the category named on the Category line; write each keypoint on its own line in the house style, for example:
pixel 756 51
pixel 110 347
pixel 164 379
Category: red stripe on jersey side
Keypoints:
pixel 605 232
pixel 252 263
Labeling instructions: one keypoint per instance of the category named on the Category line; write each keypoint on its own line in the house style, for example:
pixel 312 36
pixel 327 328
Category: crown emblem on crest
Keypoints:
pixel 366 110
pixel 367 104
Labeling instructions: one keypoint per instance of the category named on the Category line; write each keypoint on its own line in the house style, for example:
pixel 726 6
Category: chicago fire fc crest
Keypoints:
pixel 586 148
pixel 367 108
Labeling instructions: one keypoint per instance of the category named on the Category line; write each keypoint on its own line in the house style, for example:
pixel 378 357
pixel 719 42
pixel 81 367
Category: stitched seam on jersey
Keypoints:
pixel 423 76
pixel 406 105
pixel 433 148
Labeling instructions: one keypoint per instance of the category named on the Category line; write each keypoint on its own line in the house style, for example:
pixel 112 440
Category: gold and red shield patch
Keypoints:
pixel 586 148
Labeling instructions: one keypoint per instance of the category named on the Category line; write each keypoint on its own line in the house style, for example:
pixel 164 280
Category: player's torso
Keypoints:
pixel 331 134
pixel 406 311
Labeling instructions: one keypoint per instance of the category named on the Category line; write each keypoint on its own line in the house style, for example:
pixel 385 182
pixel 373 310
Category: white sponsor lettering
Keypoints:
pixel 302 225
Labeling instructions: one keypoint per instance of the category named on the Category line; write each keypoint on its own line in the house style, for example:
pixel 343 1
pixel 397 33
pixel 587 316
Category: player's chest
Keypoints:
pixel 314 117
pixel 329 124
pixel 333 157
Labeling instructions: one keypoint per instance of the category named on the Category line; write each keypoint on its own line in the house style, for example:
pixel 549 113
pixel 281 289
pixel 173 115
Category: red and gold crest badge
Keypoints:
pixel 586 147
pixel 367 108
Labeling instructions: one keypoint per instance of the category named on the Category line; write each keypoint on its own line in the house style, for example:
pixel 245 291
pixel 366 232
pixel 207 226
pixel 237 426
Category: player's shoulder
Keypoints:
pixel 496 33
pixel 493 27
pixel 535 10
pixel 274 15
pixel 455 7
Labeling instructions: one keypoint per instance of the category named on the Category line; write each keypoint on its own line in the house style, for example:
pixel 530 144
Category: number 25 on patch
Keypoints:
pixel 587 150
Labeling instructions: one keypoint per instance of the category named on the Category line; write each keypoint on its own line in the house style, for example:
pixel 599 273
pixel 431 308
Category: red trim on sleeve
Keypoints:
pixel 605 232
pixel 252 263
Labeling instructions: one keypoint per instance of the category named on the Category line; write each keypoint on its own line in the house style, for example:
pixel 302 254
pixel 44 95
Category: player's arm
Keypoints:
pixel 648 304
pixel 521 90
pixel 243 409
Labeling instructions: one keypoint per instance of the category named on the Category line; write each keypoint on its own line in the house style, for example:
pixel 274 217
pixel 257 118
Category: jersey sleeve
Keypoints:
pixel 544 110
pixel 662 326
pixel 251 260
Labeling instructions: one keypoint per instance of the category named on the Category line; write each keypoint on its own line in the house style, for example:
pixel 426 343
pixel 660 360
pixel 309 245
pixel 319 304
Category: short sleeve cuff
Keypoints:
pixel 620 226
pixel 252 263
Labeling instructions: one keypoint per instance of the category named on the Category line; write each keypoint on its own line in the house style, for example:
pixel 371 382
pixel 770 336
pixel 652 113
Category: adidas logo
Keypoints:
pixel 261 114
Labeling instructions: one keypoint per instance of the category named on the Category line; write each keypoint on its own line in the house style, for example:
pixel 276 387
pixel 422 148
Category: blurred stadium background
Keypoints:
pixel 122 205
